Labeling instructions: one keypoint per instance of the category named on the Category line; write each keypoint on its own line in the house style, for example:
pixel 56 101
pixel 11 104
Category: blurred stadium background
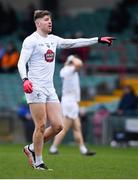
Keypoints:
pixel 106 69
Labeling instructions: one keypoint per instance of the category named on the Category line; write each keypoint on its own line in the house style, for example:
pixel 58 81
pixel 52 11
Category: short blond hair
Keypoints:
pixel 41 14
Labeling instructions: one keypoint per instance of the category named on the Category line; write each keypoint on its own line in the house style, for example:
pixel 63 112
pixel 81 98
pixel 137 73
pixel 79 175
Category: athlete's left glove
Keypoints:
pixel 27 86
pixel 106 40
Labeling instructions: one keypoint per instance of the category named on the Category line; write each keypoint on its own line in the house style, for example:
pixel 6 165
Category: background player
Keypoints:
pixel 70 99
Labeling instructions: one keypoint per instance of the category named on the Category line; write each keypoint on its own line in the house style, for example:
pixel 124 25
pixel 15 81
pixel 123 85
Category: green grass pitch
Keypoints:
pixel 109 163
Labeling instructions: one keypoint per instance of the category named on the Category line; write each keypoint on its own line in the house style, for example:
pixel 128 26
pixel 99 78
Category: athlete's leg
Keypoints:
pixel 59 137
pixel 79 138
pixel 77 131
pixel 66 125
pixel 38 111
pixel 54 115
pixel 78 135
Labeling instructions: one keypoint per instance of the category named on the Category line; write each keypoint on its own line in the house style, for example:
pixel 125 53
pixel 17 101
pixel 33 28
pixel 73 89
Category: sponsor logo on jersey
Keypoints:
pixel 49 55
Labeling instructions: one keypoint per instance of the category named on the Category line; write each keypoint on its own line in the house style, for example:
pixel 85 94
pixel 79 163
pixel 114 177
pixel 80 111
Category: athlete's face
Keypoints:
pixel 45 24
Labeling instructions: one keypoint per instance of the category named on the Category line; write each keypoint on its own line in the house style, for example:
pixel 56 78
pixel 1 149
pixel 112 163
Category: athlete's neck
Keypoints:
pixel 42 33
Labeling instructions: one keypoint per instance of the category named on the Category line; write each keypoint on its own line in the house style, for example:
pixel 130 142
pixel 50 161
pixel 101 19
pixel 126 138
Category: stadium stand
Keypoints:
pixel 10 91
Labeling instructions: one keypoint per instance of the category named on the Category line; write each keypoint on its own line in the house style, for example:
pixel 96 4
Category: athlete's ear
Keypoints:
pixel 37 22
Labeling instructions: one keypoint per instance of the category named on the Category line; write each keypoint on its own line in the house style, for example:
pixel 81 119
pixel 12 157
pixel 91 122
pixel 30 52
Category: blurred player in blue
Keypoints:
pixel 69 101
pixel 36 67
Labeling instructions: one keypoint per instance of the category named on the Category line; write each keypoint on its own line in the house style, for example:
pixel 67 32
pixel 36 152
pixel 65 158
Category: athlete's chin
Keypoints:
pixel 49 30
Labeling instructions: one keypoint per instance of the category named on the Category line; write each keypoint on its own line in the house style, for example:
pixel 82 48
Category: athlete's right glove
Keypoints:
pixel 106 40
pixel 27 86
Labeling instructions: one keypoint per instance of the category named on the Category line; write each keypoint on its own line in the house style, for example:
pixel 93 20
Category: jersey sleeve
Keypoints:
pixel 67 71
pixel 74 43
pixel 26 52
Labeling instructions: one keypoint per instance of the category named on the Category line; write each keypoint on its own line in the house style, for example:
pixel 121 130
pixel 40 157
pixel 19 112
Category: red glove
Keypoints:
pixel 107 40
pixel 27 86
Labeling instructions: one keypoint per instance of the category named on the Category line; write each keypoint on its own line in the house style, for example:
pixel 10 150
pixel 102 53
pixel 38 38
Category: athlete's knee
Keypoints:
pixel 58 128
pixel 41 128
pixel 64 130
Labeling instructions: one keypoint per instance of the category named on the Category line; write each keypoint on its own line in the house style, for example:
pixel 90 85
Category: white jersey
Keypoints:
pixel 71 83
pixel 38 54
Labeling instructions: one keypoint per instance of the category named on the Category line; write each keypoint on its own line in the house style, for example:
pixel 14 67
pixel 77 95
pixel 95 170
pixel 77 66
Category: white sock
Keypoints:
pixel 31 147
pixel 38 160
pixel 53 149
pixel 83 149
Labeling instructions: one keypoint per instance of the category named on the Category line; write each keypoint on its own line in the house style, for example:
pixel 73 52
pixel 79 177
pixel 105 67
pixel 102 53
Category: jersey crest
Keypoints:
pixel 49 55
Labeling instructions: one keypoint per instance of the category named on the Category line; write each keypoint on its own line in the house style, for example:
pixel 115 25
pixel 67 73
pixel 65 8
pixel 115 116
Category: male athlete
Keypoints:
pixel 36 67
pixel 69 101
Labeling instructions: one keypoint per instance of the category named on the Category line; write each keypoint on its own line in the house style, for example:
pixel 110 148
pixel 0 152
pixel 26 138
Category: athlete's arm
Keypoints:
pixel 77 63
pixel 26 51
pixel 67 71
pixel 74 43
pixel 81 42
